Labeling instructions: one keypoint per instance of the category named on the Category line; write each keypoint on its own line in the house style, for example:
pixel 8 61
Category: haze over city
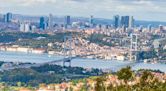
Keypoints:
pixel 150 10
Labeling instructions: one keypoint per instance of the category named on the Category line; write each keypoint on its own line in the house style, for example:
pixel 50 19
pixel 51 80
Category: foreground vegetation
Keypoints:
pixel 147 81
pixel 47 74
pixel 123 80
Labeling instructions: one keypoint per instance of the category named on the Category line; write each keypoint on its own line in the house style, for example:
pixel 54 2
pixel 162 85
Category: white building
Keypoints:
pixel 50 22
pixel 24 27
pixel 27 27
pixel 33 28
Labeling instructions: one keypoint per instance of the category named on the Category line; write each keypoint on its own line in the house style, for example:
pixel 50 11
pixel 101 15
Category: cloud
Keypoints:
pixel 25 2
pixel 99 8
pixel 77 0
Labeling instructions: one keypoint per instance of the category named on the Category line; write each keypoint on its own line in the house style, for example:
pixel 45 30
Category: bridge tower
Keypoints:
pixel 133 47
pixel 67 50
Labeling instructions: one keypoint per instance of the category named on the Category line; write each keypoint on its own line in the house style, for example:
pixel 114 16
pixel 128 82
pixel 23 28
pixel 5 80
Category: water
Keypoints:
pixel 25 57
pixel 79 62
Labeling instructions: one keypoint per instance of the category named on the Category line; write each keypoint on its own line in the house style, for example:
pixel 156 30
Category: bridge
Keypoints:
pixel 69 59
pixel 69 42
pixel 67 48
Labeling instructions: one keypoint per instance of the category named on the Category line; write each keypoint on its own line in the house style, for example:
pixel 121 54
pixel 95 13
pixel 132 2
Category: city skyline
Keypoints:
pixel 149 10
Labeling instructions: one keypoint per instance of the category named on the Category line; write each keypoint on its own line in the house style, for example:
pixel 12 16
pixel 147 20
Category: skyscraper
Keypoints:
pixel 131 22
pixel 140 29
pixel 43 23
pixel 68 20
pixel 127 21
pixel 161 28
pixel 24 27
pixel 50 23
pixel 91 20
pixel 8 17
pixel 116 21
pixel 27 27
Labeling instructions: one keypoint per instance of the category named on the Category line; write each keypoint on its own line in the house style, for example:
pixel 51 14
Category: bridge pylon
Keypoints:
pixel 67 50
pixel 133 47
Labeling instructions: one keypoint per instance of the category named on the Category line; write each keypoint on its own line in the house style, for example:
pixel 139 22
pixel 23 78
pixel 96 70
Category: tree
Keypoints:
pixel 146 77
pixel 100 84
pixel 147 54
pixel 125 74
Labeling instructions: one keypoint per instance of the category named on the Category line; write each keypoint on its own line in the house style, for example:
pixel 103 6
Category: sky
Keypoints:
pixel 151 10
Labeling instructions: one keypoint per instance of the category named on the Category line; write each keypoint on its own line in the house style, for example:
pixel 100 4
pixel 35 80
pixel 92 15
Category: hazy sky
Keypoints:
pixel 140 9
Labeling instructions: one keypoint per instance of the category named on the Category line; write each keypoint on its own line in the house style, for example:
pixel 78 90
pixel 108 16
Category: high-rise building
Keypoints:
pixel 161 28
pixel 68 20
pixel 131 22
pixel 127 21
pixel 33 28
pixel 149 27
pixel 27 27
pixel 116 21
pixel 140 29
pixel 1 18
pixel 50 22
pixel 8 17
pixel 91 20
pixel 24 27
pixel 43 23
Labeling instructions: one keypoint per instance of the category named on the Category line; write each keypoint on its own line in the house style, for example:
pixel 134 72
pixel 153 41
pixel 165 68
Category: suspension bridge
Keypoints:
pixel 69 41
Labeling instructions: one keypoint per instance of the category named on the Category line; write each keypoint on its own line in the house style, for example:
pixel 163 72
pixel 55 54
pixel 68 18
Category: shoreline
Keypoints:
pixel 56 54
pixel 79 62
pixel 135 66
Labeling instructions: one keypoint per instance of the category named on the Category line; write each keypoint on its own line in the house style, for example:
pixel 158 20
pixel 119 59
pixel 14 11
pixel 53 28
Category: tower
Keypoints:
pixel 50 23
pixel 161 28
pixel 43 23
pixel 22 27
pixel 67 50
pixel 25 27
pixel 116 21
pixel 67 21
pixel 91 21
pixel 133 47
pixel 8 17
pixel 131 22
pixel 127 22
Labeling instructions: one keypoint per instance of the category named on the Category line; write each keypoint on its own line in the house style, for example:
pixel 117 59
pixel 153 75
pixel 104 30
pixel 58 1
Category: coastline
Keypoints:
pixel 78 62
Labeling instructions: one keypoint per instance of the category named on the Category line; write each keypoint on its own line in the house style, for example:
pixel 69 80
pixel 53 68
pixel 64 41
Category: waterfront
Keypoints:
pixel 80 62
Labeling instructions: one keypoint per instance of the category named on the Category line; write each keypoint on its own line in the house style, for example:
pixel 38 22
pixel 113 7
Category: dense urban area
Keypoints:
pixel 122 38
